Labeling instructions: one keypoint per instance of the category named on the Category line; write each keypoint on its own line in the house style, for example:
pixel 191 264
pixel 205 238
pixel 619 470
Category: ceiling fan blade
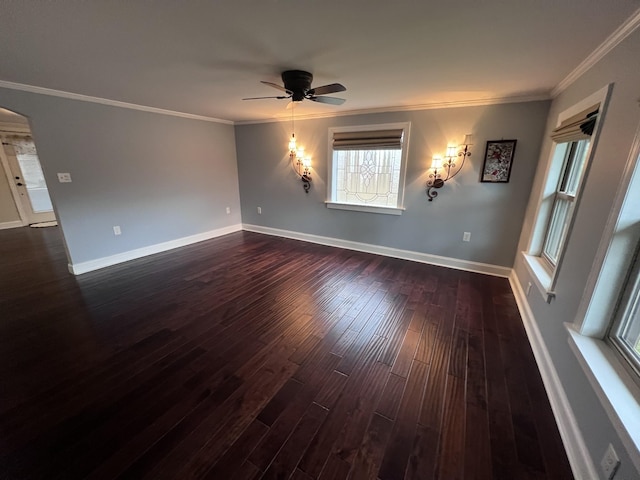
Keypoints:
pixel 260 98
pixel 275 85
pixel 331 100
pixel 324 89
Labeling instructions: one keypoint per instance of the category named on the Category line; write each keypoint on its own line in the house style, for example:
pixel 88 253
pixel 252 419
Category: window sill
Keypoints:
pixel 616 390
pixel 540 276
pixel 365 208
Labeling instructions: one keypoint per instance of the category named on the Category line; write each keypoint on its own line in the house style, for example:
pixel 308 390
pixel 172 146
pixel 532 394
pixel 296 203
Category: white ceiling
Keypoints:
pixel 203 57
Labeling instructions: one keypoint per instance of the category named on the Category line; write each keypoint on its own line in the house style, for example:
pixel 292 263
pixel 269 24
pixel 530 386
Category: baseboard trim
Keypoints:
pixel 577 452
pixel 448 262
pixel 14 224
pixel 91 265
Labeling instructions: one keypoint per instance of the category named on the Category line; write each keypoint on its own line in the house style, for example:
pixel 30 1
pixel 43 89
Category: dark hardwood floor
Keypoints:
pixel 251 356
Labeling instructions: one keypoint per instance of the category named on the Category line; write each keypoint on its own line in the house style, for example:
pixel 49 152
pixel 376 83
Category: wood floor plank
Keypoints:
pixel 396 457
pixel 279 402
pixel 250 356
pixel 367 461
pixel 391 396
pixel 234 457
pixel 287 459
pixel 477 458
pixel 403 361
pixel 503 449
pixel 322 444
pixel 451 445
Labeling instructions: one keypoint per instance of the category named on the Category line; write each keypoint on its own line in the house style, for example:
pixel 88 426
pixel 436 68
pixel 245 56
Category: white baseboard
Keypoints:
pixel 455 263
pixel 577 452
pixel 91 265
pixel 14 224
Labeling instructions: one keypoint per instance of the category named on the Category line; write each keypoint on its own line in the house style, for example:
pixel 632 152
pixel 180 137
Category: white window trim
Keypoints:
pixel 616 390
pixel 406 127
pixel 365 208
pixel 544 276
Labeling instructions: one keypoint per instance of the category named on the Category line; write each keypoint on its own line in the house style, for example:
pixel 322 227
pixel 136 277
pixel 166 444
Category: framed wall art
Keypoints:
pixel 498 159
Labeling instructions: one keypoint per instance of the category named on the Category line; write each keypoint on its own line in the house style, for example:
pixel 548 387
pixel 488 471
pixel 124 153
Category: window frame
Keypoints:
pixel 615 381
pixel 542 272
pixel 399 208
pixel 563 193
pixel 627 306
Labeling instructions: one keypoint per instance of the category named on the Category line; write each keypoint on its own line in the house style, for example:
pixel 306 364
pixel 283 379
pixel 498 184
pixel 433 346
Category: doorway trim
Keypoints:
pixel 7 171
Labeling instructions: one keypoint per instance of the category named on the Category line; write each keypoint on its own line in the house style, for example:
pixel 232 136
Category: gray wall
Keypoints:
pixel 493 213
pixel 159 177
pixel 617 133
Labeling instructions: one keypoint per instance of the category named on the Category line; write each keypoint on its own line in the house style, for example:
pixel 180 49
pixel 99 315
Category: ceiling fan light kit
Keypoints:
pixel 297 86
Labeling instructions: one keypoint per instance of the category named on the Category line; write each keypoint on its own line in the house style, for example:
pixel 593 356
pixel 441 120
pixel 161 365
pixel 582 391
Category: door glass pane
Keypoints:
pixel 33 176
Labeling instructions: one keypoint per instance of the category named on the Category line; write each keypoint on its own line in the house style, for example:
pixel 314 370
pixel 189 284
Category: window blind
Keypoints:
pixel 577 127
pixel 368 140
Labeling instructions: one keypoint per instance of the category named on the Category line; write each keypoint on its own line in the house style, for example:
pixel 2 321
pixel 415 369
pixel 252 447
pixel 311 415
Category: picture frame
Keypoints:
pixel 498 159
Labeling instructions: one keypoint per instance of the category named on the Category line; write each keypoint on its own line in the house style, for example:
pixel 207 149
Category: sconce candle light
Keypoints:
pixel 300 162
pixel 448 166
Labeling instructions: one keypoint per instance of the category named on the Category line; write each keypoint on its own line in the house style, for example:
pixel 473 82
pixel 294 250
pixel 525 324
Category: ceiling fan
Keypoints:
pixel 297 86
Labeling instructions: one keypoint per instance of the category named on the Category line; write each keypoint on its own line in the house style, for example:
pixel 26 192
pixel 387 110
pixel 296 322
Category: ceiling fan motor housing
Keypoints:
pixel 298 82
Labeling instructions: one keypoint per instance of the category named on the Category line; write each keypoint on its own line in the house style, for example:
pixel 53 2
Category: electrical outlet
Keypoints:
pixel 466 237
pixel 116 230
pixel 610 463
pixel 259 210
pixel 228 210
pixel 64 177
pixel 528 288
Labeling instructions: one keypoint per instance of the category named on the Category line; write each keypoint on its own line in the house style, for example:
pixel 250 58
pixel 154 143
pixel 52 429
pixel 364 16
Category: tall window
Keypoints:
pixel 564 199
pixel 367 167
pixel 573 139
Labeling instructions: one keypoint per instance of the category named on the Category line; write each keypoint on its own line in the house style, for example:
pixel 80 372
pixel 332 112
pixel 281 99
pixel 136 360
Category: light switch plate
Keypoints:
pixel 64 177
pixel 610 463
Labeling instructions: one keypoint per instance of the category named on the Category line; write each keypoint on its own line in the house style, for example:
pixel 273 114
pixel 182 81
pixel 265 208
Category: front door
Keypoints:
pixel 29 179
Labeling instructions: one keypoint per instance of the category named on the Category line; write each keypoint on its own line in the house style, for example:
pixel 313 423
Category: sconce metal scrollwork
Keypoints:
pixel 438 164
pixel 301 163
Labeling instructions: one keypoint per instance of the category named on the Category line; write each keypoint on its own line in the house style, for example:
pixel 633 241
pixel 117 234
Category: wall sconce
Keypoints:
pixel 300 163
pixel 438 164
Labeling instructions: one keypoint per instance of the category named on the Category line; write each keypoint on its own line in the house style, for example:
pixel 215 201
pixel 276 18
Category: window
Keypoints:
pixel 367 168
pixel 564 199
pixel 605 334
pixel 574 141
pixel 625 331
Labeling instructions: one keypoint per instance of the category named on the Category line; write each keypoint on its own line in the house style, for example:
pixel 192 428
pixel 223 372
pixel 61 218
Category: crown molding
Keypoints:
pixel 284 118
pixel 622 32
pixel 105 101
pixel 405 108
